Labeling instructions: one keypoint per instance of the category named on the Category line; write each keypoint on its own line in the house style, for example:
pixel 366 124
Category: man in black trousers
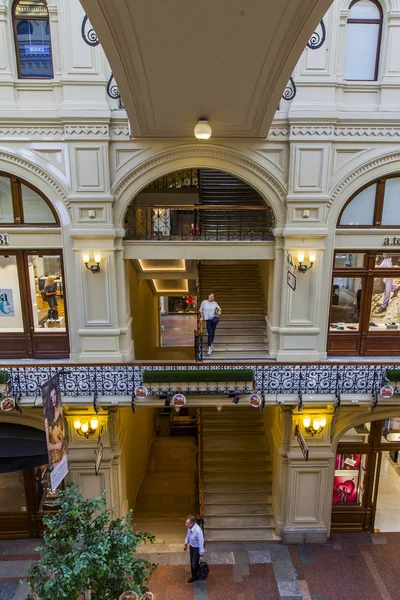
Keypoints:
pixel 195 539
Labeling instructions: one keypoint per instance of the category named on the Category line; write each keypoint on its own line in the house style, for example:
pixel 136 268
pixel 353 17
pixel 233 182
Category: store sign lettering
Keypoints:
pixel 394 241
pixel 37 49
pixel 6 303
pixel 4 239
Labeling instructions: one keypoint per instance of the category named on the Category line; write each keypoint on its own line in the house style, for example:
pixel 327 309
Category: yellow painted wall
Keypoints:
pixel 145 323
pixel 135 434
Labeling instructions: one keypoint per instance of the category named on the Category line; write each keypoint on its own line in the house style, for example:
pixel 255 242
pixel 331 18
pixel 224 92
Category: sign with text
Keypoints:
pixel 6 303
pixel 301 441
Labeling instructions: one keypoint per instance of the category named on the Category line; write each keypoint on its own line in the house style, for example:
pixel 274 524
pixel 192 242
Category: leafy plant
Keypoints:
pixel 88 551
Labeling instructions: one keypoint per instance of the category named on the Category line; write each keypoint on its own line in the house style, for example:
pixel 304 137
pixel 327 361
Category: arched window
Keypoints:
pixel 21 204
pixel 376 205
pixel 363 39
pixel 32 38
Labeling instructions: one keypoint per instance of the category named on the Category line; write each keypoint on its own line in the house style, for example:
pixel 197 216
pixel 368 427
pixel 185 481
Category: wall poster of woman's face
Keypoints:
pixel 55 431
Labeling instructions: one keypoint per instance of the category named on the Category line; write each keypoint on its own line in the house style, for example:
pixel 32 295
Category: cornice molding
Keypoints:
pixel 19 161
pixel 191 152
pixel 371 164
pixel 55 132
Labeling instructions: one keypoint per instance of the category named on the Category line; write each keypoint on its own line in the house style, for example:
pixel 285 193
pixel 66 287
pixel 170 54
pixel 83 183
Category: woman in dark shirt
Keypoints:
pixel 51 290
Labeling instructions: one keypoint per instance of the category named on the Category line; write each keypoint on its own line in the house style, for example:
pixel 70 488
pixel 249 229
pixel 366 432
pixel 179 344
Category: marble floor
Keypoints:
pixel 350 566
pixel 388 513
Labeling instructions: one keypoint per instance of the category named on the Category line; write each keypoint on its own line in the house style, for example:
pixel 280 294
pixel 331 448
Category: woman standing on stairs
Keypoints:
pixel 210 313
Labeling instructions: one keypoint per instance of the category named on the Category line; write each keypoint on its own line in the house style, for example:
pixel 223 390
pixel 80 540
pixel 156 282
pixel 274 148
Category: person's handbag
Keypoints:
pixel 203 570
pixel 216 316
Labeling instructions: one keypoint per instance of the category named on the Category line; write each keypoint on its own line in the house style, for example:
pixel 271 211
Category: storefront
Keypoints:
pixel 33 314
pixel 365 295
pixel 358 466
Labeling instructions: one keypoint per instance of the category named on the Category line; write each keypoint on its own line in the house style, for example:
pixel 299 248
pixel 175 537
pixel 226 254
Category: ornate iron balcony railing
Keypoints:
pixel 86 381
pixel 206 222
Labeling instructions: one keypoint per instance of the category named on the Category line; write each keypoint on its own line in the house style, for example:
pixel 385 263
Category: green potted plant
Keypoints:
pixel 88 553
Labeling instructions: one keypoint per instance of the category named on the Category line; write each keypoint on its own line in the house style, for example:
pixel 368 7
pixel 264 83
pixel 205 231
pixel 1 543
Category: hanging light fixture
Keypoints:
pixel 202 130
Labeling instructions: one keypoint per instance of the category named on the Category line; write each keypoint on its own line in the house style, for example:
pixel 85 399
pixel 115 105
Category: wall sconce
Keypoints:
pixel 86 428
pixel 300 258
pixel 95 268
pixel 314 426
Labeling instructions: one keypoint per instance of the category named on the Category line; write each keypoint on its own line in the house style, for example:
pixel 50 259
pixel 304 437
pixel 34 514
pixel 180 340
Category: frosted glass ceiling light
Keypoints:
pixel 203 130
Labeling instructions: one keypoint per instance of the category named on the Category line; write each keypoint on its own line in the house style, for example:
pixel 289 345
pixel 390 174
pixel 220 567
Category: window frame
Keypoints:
pixel 379 40
pixel 14 22
pixel 378 206
pixel 17 203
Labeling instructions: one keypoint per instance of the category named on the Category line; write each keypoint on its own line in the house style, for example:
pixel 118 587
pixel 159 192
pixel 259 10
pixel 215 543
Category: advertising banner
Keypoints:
pixel 55 431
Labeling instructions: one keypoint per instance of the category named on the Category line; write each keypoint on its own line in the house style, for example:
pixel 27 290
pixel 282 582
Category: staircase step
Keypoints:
pixel 238 509
pixel 257 470
pixel 221 487
pixel 241 535
pixel 228 356
pixel 236 522
pixel 238 476
pixel 237 498
pixel 237 347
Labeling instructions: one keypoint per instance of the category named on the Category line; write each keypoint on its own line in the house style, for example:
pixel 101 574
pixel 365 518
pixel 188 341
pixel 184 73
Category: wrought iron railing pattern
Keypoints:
pixel 199 223
pixel 80 380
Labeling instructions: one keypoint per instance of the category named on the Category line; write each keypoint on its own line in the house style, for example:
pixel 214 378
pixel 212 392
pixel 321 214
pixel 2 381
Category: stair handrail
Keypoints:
pixel 198 333
pixel 200 470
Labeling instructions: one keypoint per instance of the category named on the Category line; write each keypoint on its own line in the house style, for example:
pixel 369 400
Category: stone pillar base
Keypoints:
pixel 304 535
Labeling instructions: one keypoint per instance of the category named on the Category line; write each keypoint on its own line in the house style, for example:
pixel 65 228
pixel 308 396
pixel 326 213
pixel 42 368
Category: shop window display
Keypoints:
pixel 349 478
pixel 46 286
pixel 346 303
pixel 365 301
pixel 11 319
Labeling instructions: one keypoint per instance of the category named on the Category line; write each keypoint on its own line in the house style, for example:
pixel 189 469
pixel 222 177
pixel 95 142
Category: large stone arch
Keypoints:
pixel 365 172
pixel 195 156
pixel 16 163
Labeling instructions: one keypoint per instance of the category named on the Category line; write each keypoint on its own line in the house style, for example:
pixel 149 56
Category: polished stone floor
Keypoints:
pixel 350 566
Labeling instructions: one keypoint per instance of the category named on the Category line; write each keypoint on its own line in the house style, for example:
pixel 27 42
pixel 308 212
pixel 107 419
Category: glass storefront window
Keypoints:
pixel 351 260
pixel 10 298
pixel 182 304
pixel 36 210
pixel 360 211
pixel 391 431
pixel 6 204
pixel 348 482
pixel 391 205
pixel 345 304
pixel 32 30
pixel 47 292
pixel 385 304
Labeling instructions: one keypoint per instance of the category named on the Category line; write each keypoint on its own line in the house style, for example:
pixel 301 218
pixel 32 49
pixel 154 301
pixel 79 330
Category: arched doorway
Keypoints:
pixel 23 480
pixel 365 301
pixel 189 233
pixel 33 313
pixel 366 485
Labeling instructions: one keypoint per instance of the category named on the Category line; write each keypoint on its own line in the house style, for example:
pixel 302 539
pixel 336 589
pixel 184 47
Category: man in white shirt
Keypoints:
pixel 195 539
pixel 389 286
pixel 209 309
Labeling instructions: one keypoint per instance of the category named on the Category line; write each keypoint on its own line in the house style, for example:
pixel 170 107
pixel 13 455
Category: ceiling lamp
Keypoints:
pixel 203 130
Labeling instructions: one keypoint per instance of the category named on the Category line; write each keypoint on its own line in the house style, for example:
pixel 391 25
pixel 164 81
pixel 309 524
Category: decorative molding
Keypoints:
pixel 16 160
pixel 364 168
pixel 200 152
pixel 313 131
pixel 278 132
pixel 120 131
pixel 87 131
pixel 55 132
pixel 33 131
pixel 367 132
